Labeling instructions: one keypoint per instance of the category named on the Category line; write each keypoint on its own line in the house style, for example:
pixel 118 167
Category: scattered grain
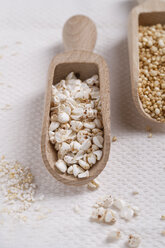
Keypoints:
pixel 135 192
pixel 134 241
pixel 114 235
pixel 93 185
pixel 17 187
pixel 77 209
pixel 6 107
pixel 150 135
pixel 114 138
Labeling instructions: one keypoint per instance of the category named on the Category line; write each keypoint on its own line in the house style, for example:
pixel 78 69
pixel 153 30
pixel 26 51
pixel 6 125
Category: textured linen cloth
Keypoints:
pixel 136 162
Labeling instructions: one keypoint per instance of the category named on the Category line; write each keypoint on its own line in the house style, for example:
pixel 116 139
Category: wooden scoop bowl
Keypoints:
pixel 149 13
pixel 79 36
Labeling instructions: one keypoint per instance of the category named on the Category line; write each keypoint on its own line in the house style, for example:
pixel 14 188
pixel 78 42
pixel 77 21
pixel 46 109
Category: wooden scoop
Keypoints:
pixel 149 13
pixel 79 36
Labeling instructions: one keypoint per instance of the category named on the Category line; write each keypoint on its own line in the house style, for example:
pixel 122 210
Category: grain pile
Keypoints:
pixel 151 85
pixel 17 187
pixel 76 128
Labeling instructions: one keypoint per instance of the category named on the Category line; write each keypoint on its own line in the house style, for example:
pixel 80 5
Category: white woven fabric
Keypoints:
pixel 136 162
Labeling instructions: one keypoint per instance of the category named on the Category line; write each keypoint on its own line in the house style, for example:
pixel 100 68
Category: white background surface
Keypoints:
pixel 136 162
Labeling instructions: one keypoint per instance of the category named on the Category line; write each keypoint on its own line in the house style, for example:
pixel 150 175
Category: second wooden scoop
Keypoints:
pixel 149 13
pixel 79 36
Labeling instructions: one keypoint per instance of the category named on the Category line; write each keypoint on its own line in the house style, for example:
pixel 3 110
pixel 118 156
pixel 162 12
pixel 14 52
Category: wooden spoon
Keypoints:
pixel 79 36
pixel 149 13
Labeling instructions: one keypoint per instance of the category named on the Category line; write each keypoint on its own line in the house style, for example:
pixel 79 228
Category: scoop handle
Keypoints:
pixel 79 33
pixel 149 1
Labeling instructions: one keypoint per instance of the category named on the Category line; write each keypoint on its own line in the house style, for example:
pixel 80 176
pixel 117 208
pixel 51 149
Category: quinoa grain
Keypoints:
pixel 151 85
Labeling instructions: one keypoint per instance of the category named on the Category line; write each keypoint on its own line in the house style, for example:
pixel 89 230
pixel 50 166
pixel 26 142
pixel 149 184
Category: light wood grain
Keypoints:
pixel 150 12
pixel 79 34
pixel 86 64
